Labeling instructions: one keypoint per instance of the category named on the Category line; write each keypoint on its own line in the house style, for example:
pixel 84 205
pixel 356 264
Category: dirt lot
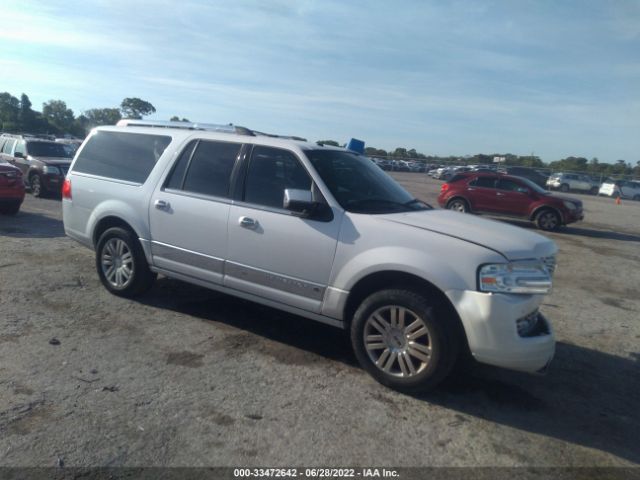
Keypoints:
pixel 185 376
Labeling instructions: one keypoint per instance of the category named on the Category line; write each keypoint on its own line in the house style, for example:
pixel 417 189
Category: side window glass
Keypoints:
pixel 484 182
pixel 176 177
pixel 511 186
pixel 210 168
pixel 271 171
pixel 8 146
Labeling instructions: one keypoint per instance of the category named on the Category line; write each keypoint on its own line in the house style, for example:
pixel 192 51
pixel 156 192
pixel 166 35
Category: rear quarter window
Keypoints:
pixel 121 156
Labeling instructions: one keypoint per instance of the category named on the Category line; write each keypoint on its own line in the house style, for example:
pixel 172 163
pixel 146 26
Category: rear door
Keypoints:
pixel 189 210
pixel 512 197
pixel 481 193
pixel 273 253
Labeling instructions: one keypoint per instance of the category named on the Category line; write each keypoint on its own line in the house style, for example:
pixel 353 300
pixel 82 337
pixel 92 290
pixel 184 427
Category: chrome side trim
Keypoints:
pixel 253 298
pixel 276 281
pixel 187 257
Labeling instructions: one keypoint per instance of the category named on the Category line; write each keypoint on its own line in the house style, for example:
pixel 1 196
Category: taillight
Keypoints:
pixel 66 189
pixel 444 187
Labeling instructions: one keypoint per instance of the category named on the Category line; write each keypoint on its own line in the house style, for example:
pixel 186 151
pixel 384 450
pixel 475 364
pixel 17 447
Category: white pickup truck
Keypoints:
pixel 318 231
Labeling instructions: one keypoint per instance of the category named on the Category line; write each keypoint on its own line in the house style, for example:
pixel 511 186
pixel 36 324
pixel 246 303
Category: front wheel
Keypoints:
pixel 121 264
pixel 548 220
pixel 403 341
pixel 37 189
pixel 564 187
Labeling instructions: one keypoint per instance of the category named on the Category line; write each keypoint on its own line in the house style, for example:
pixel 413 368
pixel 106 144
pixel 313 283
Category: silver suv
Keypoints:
pixel 318 231
pixel 573 181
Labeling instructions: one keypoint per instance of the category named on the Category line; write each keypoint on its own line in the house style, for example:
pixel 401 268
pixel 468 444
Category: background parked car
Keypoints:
pixel 532 174
pixel 11 188
pixel 44 163
pixel 573 181
pixel 508 195
pixel 620 188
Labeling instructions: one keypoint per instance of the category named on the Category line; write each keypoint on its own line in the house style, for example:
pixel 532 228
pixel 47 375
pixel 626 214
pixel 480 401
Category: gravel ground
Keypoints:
pixel 185 376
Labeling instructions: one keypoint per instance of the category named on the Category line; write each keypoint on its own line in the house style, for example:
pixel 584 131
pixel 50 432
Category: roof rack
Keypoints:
pixel 210 127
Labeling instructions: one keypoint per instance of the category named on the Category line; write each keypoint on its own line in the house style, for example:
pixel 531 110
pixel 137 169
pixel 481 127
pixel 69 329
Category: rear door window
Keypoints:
pixel 483 182
pixel 210 167
pixel 8 145
pixel 512 186
pixel 121 156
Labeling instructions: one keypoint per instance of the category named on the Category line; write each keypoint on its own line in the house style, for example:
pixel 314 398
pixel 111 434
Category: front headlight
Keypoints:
pixel 51 170
pixel 527 277
pixel 570 205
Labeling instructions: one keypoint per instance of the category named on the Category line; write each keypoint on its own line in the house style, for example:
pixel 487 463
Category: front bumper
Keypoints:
pixel 489 321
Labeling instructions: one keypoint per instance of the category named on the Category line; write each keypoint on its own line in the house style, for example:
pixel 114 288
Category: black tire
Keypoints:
pixel 37 188
pixel 636 197
pixel 11 209
pixel 441 338
pixel 595 190
pixel 548 220
pixel 140 278
pixel 458 205
pixel 564 187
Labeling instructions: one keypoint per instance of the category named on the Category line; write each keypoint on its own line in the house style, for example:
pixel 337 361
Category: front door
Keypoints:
pixel 271 252
pixel 512 198
pixel 189 211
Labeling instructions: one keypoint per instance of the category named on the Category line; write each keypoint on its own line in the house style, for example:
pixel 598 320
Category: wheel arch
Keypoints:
pixel 540 208
pixel 458 197
pixel 386 279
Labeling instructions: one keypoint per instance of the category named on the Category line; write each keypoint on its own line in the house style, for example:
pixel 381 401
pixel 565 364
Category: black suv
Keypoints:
pixel 44 163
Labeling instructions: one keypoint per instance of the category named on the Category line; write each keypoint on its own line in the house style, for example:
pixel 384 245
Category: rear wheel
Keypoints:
pixel 595 190
pixel 121 264
pixel 37 189
pixel 636 197
pixel 403 341
pixel 548 220
pixel 459 205
pixel 564 187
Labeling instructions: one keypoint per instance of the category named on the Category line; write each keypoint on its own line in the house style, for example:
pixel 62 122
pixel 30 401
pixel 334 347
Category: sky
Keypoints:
pixel 549 77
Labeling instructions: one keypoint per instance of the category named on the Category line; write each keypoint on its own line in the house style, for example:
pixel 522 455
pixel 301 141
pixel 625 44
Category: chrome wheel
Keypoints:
pixel 397 341
pixel 36 185
pixel 548 220
pixel 117 263
pixel 458 206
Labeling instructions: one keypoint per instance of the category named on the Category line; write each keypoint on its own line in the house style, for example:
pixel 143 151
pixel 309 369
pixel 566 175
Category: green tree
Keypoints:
pixel 102 116
pixel 26 116
pixel 136 108
pixel 176 118
pixel 57 114
pixel 9 108
pixel 331 143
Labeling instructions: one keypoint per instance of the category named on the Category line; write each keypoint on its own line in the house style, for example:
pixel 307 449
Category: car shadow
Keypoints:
pixel 588 398
pixel 30 225
pixel 581 231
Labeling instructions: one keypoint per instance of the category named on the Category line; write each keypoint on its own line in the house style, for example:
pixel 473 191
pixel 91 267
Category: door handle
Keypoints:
pixel 471 189
pixel 247 222
pixel 498 194
pixel 162 205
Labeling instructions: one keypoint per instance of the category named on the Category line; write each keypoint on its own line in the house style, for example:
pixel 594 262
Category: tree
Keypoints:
pixel 56 113
pixel 176 118
pixel 9 108
pixel 331 143
pixel 136 108
pixel 26 116
pixel 102 116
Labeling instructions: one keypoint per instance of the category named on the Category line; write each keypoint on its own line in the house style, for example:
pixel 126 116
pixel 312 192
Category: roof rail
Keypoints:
pixel 211 127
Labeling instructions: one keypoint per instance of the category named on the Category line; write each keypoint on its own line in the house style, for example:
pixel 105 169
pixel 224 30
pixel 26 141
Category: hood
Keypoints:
pixel 53 160
pixel 514 243
pixel 564 198
pixel 7 167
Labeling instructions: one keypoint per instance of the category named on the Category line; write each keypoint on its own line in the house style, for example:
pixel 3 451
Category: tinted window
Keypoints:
pixel 484 182
pixel 176 177
pixel 271 170
pixel 504 184
pixel 124 156
pixel 209 171
pixel 44 149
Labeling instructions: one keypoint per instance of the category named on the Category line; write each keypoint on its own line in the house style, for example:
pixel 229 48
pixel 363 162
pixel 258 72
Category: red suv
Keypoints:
pixel 509 195
pixel 11 188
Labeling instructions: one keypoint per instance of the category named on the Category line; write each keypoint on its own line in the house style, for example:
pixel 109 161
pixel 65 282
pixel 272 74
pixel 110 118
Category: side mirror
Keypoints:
pixel 299 201
pixel 18 155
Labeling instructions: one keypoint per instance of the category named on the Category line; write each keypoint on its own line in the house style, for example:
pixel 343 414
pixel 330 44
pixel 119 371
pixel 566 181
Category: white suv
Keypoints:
pixel 318 231
pixel 573 181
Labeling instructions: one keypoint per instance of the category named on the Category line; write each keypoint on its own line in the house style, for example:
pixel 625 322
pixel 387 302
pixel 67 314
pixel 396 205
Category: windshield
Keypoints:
pixel 359 185
pixel 47 149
